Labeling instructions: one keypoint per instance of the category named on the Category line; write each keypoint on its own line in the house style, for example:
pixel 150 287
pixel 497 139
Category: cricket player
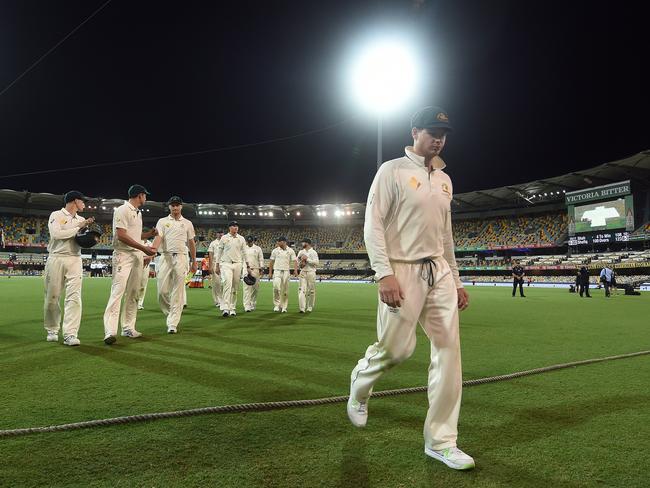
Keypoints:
pixel 230 264
pixel 408 236
pixel 282 257
pixel 308 262
pixel 63 269
pixel 255 260
pixel 128 261
pixel 145 276
pixel 175 237
pixel 215 278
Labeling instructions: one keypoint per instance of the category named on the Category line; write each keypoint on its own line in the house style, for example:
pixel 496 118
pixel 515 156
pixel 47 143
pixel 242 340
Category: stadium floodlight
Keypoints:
pixel 382 77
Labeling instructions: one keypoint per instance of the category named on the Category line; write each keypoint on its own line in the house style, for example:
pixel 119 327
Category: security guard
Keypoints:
pixel 63 270
pixel 518 279
pixel 279 271
pixel 255 259
pixel 214 277
pixel 584 282
pixel 407 232
pixel 230 265
pixel 308 262
pixel 128 261
pixel 175 237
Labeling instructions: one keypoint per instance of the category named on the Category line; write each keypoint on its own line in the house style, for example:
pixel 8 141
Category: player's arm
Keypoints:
pixel 383 193
pixel 271 261
pixel 218 254
pixel 313 260
pixel 192 245
pixel 124 238
pixel 450 257
pixel 57 232
pixel 149 234
pixel 295 264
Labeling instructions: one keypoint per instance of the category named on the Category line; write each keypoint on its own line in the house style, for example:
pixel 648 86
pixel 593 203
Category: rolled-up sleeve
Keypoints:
pixel 381 199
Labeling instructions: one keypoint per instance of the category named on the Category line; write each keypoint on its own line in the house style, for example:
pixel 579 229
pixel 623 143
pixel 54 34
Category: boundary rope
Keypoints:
pixel 266 406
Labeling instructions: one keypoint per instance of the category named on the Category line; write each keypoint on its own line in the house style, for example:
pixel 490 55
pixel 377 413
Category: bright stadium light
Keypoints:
pixel 382 76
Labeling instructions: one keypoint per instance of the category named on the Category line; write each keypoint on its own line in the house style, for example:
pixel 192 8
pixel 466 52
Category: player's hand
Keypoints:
pixel 463 299
pixel 149 251
pixel 390 292
pixel 193 267
pixel 147 261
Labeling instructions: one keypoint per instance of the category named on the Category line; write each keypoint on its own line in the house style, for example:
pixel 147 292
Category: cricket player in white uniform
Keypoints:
pixel 128 261
pixel 215 279
pixel 408 236
pixel 63 270
pixel 308 262
pixel 175 237
pixel 255 260
pixel 230 265
pixel 145 276
pixel 280 263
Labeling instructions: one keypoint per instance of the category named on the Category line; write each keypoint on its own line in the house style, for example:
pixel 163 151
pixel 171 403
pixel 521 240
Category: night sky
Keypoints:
pixel 533 89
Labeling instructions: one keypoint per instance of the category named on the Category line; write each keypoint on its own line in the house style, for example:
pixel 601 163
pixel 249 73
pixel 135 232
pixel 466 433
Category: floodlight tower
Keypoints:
pixel 383 78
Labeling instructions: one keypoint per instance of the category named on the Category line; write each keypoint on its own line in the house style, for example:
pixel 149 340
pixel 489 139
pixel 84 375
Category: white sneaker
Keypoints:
pixel 452 457
pixel 357 412
pixel 309 309
pixel 284 310
pixel 132 333
pixel 52 337
pixel 71 341
pixel 140 307
pixel 233 313
pixel 276 309
pixel 171 330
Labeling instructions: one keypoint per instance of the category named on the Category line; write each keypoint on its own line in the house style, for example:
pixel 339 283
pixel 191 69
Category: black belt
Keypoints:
pixel 428 271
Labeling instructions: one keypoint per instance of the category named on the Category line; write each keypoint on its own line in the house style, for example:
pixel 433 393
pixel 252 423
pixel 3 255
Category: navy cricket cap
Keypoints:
pixel 431 118
pixel 135 190
pixel 175 200
pixel 282 238
pixel 250 239
pixel 233 223
pixel 73 195
pixel 307 240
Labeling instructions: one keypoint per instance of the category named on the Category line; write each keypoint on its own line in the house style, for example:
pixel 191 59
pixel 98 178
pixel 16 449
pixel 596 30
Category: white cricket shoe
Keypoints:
pixel 52 337
pixel 71 341
pixel 140 307
pixel 452 457
pixel 233 313
pixel 132 333
pixel 358 412
pixel 284 310
pixel 171 330
pixel 276 309
pixel 309 309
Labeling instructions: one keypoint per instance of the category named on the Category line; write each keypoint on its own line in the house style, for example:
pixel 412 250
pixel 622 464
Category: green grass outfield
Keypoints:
pixel 580 427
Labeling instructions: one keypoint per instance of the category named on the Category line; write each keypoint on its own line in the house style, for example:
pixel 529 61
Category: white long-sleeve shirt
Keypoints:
pixel 283 259
pixel 312 259
pixel 63 228
pixel 254 256
pixel 231 249
pixel 408 215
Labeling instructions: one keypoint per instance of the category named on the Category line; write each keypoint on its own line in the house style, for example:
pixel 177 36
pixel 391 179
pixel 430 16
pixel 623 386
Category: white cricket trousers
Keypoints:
pixel 435 308
pixel 172 269
pixel 216 287
pixel 307 290
pixel 250 292
pixel 143 286
pixel 127 283
pixel 281 288
pixel 230 276
pixel 60 272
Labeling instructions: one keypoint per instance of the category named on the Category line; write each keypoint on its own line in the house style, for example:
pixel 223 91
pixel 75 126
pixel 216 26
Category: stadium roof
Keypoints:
pixel 535 193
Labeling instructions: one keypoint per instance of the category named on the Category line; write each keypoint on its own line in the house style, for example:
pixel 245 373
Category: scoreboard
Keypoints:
pixel 599 238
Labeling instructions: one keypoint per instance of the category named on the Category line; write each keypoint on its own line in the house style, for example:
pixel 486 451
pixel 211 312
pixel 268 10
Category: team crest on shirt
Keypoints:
pixel 414 183
pixel 167 225
pixel 63 221
pixel 445 189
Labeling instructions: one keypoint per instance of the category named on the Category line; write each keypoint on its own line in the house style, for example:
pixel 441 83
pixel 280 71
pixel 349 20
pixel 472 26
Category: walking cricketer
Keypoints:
pixel 215 279
pixel 128 261
pixel 175 237
pixel 308 262
pixel 255 260
pixel 282 257
pixel 230 265
pixel 408 235
pixel 63 270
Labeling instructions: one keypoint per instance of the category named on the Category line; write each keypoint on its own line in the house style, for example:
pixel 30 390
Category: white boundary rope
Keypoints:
pixel 261 407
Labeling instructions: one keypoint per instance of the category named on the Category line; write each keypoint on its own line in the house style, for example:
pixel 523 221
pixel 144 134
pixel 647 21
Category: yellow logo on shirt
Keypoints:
pixel 63 221
pixel 445 189
pixel 414 183
pixel 166 225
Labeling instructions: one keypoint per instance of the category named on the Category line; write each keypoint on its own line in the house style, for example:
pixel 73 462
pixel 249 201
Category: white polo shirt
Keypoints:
pixel 408 215
pixel 283 259
pixel 312 259
pixel 63 227
pixel 254 256
pixel 127 217
pixel 231 249
pixel 175 234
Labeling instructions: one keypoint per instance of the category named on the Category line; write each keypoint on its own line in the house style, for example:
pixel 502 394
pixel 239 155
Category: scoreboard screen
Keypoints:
pixel 599 238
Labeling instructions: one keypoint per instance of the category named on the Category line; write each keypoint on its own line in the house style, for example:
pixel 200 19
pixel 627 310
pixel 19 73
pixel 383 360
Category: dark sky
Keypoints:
pixel 533 89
